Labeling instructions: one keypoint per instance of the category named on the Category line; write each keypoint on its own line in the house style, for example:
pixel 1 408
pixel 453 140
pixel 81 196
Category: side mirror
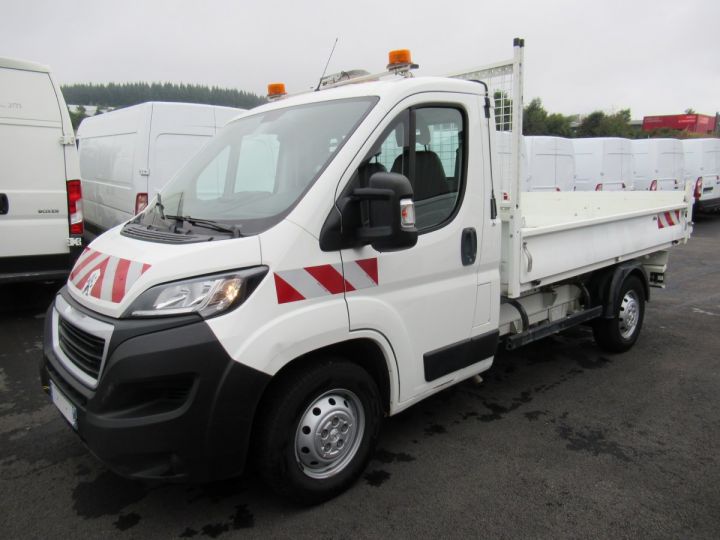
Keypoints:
pixel 387 212
pixel 382 214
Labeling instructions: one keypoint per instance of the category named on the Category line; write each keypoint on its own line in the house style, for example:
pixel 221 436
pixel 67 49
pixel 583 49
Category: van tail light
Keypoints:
pixel 598 187
pixel 653 185
pixel 624 186
pixel 698 188
pixel 141 202
pixel 557 188
pixel 75 213
pixel 506 196
pixel 717 179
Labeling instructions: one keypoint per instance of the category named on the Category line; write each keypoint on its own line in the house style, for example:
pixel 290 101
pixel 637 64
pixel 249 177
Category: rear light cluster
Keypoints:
pixel 653 185
pixel 698 188
pixel 598 187
pixel 141 202
pixel 75 210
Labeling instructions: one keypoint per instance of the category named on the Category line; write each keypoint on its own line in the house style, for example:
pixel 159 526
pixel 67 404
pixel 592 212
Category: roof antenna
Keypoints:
pixel 326 65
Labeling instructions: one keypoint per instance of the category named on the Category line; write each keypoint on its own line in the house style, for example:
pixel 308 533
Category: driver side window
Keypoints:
pixel 425 144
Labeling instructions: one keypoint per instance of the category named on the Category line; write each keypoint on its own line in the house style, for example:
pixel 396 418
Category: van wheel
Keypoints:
pixel 318 430
pixel 621 332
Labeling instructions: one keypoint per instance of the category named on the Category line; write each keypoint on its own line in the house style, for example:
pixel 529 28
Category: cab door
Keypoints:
pixel 423 299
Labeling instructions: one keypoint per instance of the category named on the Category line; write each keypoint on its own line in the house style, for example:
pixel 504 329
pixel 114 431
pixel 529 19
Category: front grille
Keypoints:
pixel 152 396
pixel 82 349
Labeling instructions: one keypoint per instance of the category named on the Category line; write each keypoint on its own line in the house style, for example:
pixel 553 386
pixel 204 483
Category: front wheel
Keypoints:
pixel 318 430
pixel 621 332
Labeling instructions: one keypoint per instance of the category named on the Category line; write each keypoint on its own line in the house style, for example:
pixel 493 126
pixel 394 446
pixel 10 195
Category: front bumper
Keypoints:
pixel 169 402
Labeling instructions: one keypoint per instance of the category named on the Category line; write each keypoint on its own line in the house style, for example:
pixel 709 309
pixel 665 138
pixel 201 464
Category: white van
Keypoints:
pixel 550 164
pixel 128 154
pixel 603 164
pixel 41 219
pixel 702 166
pixel 658 164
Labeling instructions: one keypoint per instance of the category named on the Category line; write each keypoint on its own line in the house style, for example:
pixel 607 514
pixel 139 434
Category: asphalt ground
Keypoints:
pixel 560 440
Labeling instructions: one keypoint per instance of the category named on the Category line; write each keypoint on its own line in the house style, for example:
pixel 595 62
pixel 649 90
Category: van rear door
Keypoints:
pixel 34 219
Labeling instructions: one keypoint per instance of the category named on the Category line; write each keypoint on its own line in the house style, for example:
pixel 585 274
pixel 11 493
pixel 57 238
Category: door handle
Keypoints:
pixel 468 246
pixel 529 257
pixel 4 204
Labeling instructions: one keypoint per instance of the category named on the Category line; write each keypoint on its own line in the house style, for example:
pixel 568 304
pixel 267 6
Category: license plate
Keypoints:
pixel 63 404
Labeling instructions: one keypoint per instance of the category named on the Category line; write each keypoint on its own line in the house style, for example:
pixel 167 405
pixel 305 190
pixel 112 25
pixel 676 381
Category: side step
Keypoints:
pixel 523 338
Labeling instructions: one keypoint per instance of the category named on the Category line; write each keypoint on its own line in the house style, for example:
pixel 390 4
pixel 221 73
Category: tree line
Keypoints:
pixel 537 121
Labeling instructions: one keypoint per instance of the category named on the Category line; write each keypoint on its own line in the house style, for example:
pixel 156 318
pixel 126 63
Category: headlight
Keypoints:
pixel 207 295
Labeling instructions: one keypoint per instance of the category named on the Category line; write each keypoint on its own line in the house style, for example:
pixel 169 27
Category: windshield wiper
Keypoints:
pixel 159 205
pixel 209 223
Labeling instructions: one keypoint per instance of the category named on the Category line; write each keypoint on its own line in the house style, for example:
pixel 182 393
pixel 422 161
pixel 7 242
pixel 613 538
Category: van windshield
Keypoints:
pixel 257 168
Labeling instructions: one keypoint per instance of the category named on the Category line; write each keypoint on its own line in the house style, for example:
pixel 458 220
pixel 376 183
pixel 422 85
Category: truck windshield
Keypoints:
pixel 257 168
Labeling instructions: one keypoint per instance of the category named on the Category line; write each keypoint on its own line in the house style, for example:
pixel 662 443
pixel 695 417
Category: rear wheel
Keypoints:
pixel 621 332
pixel 318 430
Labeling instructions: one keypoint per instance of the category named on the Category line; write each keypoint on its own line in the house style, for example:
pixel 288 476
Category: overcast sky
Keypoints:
pixel 655 57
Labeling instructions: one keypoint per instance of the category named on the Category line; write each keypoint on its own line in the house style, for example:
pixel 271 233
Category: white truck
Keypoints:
pixel 281 322
pixel 603 163
pixel 702 166
pixel 128 154
pixel 41 208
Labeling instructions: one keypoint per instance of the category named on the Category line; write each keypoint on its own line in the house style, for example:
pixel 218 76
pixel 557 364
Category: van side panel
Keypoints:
pixel 32 166
pixel 113 155
pixel 107 168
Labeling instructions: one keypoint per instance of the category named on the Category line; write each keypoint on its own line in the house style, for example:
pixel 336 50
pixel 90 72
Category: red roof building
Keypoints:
pixel 692 123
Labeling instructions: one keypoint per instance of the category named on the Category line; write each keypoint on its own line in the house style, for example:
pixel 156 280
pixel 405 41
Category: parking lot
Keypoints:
pixel 559 440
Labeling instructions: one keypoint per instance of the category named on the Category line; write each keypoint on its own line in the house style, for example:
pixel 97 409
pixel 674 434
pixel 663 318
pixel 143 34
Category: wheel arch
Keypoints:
pixel 605 286
pixel 364 351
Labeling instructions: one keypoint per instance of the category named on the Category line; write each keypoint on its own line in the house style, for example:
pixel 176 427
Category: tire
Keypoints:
pixel 317 430
pixel 620 333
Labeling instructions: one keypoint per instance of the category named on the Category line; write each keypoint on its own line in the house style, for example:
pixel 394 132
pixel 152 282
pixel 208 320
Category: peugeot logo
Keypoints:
pixel 91 282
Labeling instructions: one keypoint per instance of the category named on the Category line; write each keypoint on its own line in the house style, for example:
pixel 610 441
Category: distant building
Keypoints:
pixel 692 123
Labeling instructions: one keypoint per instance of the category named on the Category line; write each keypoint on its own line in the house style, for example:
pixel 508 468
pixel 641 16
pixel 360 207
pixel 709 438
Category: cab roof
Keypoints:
pixel 392 88
pixel 25 65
